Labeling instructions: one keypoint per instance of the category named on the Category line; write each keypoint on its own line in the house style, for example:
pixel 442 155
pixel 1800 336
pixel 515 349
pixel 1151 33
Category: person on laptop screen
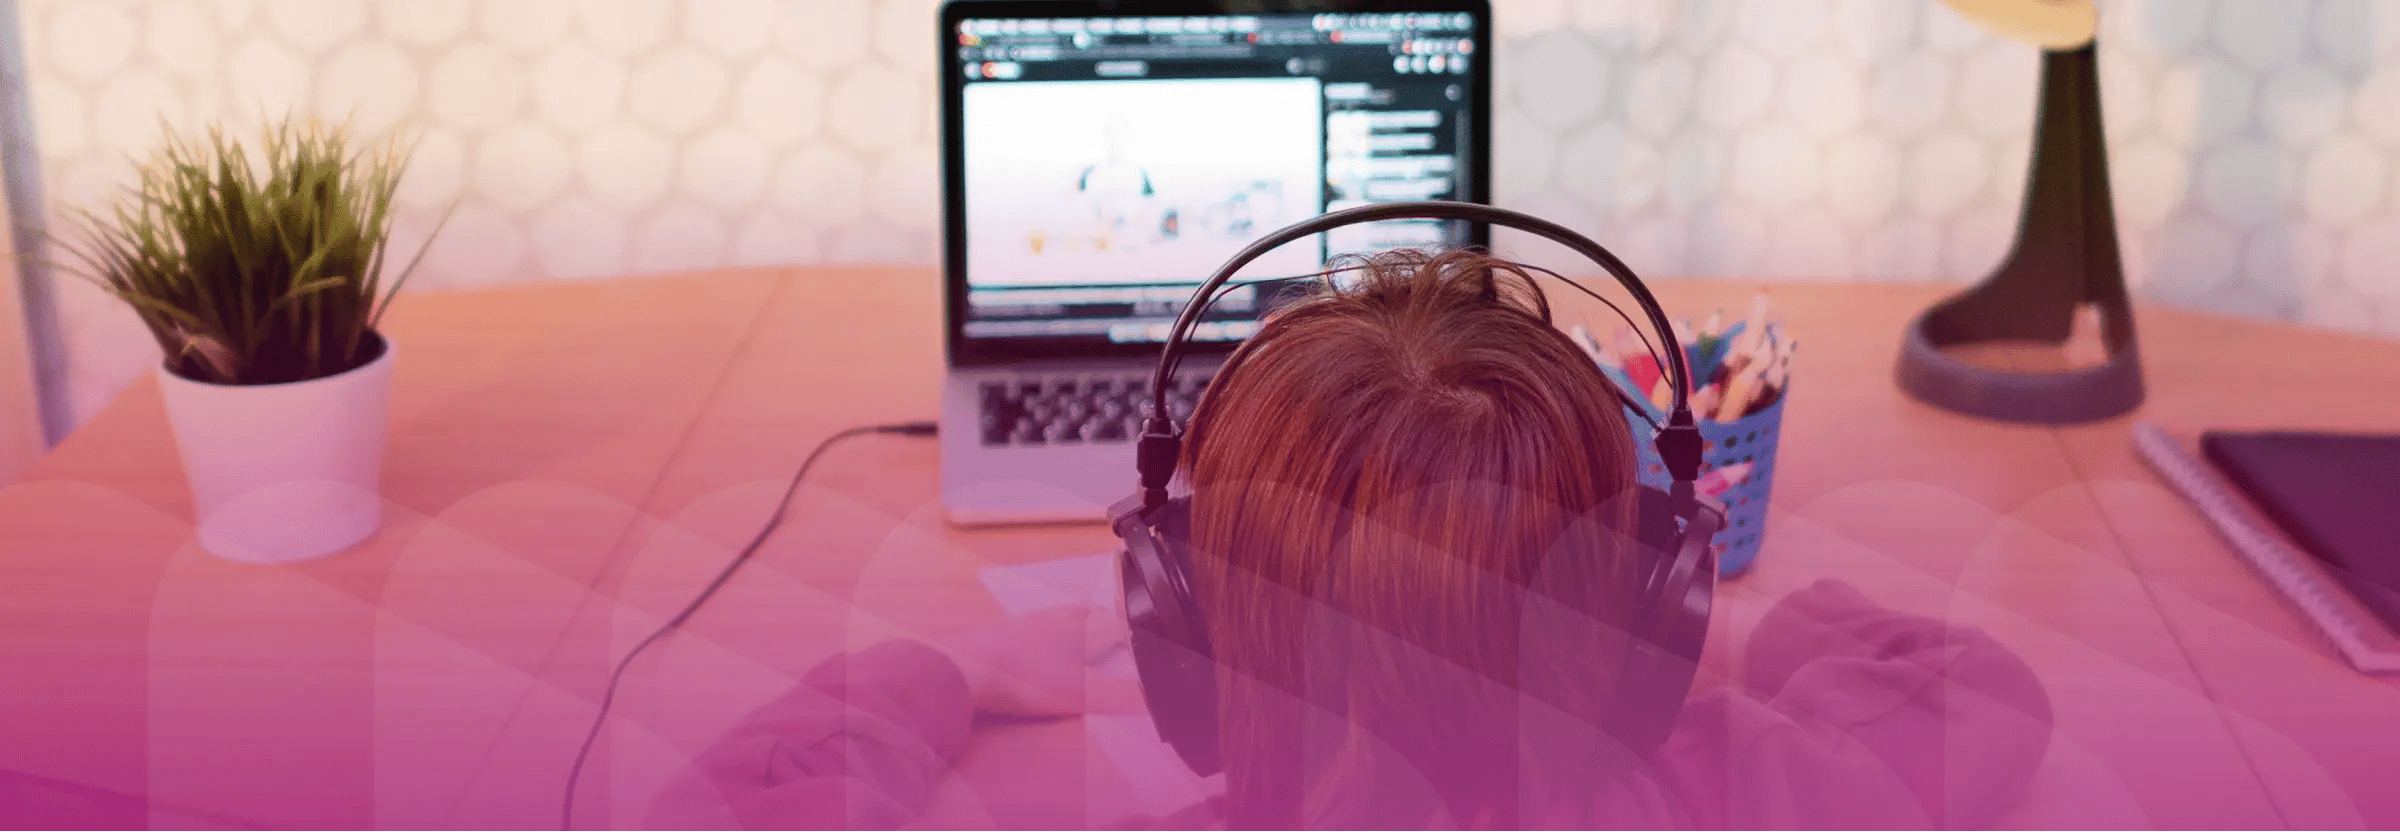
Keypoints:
pixel 1374 485
pixel 1115 203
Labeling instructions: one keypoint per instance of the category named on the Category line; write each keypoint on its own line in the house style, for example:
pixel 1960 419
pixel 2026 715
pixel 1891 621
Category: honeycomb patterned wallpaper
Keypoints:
pixel 2255 143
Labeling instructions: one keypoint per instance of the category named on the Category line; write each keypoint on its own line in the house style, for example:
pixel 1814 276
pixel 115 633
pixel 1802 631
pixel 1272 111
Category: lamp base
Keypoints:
pixel 2088 394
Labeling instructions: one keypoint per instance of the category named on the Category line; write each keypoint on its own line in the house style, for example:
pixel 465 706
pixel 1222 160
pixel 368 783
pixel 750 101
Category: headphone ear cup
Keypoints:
pixel 1169 636
pixel 1656 529
pixel 1677 580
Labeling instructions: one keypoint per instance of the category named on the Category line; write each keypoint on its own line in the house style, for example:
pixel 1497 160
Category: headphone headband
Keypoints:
pixel 1678 441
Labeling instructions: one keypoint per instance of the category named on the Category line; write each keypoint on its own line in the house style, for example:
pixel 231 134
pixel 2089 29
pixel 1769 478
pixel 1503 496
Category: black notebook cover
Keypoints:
pixel 2336 495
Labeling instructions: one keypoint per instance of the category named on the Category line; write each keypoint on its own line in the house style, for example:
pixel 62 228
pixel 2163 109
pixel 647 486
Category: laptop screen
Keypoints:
pixel 1100 167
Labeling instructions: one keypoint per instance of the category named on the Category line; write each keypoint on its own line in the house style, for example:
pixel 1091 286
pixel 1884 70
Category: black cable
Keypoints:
pixel 1640 409
pixel 1612 307
pixel 609 696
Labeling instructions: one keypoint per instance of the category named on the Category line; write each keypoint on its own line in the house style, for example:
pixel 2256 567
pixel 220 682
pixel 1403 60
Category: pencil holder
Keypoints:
pixel 1749 440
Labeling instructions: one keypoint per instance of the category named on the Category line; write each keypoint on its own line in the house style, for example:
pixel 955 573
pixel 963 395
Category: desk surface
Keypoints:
pixel 570 463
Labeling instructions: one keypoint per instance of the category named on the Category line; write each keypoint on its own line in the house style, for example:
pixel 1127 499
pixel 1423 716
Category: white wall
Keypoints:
pixel 2256 143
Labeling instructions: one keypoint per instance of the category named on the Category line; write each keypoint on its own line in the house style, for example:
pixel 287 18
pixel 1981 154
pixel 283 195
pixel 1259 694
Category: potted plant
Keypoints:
pixel 260 275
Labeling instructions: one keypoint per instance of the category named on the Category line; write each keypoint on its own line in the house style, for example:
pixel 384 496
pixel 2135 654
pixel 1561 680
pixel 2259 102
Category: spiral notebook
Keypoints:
pixel 2318 489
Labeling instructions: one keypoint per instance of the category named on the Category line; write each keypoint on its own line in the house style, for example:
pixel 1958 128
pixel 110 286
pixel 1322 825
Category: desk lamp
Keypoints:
pixel 2064 259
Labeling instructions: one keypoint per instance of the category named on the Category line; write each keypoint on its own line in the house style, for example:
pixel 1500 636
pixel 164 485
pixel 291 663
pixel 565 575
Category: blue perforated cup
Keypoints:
pixel 1752 440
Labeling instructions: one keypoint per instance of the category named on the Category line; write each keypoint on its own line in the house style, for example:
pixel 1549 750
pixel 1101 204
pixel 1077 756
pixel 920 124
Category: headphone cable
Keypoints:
pixel 609 695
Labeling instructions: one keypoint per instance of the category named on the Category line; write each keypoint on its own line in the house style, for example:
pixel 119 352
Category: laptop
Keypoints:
pixel 1102 157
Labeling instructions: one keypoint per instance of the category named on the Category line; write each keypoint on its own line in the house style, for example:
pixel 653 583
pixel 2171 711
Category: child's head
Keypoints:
pixel 1378 477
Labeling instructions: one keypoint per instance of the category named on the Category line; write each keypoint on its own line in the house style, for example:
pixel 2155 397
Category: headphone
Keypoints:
pixel 1675 578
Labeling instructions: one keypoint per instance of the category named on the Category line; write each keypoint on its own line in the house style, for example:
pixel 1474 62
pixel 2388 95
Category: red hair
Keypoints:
pixel 1378 478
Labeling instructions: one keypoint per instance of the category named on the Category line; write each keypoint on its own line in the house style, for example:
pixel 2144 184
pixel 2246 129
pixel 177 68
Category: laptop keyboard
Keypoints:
pixel 1074 410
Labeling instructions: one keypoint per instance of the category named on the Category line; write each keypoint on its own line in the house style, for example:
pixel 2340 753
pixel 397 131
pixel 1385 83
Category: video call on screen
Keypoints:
pixel 1112 163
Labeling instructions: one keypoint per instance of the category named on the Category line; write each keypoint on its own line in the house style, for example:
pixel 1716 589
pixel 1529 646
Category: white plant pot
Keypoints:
pixel 283 472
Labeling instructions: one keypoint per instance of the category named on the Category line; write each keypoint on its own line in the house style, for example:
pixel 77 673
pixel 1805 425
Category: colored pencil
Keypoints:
pixel 1592 347
pixel 1716 483
pixel 1754 331
pixel 1643 371
pixel 1742 388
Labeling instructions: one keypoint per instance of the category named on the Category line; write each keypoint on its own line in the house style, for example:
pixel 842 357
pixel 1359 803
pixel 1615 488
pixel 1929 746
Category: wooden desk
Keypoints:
pixel 570 463
pixel 2319 734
